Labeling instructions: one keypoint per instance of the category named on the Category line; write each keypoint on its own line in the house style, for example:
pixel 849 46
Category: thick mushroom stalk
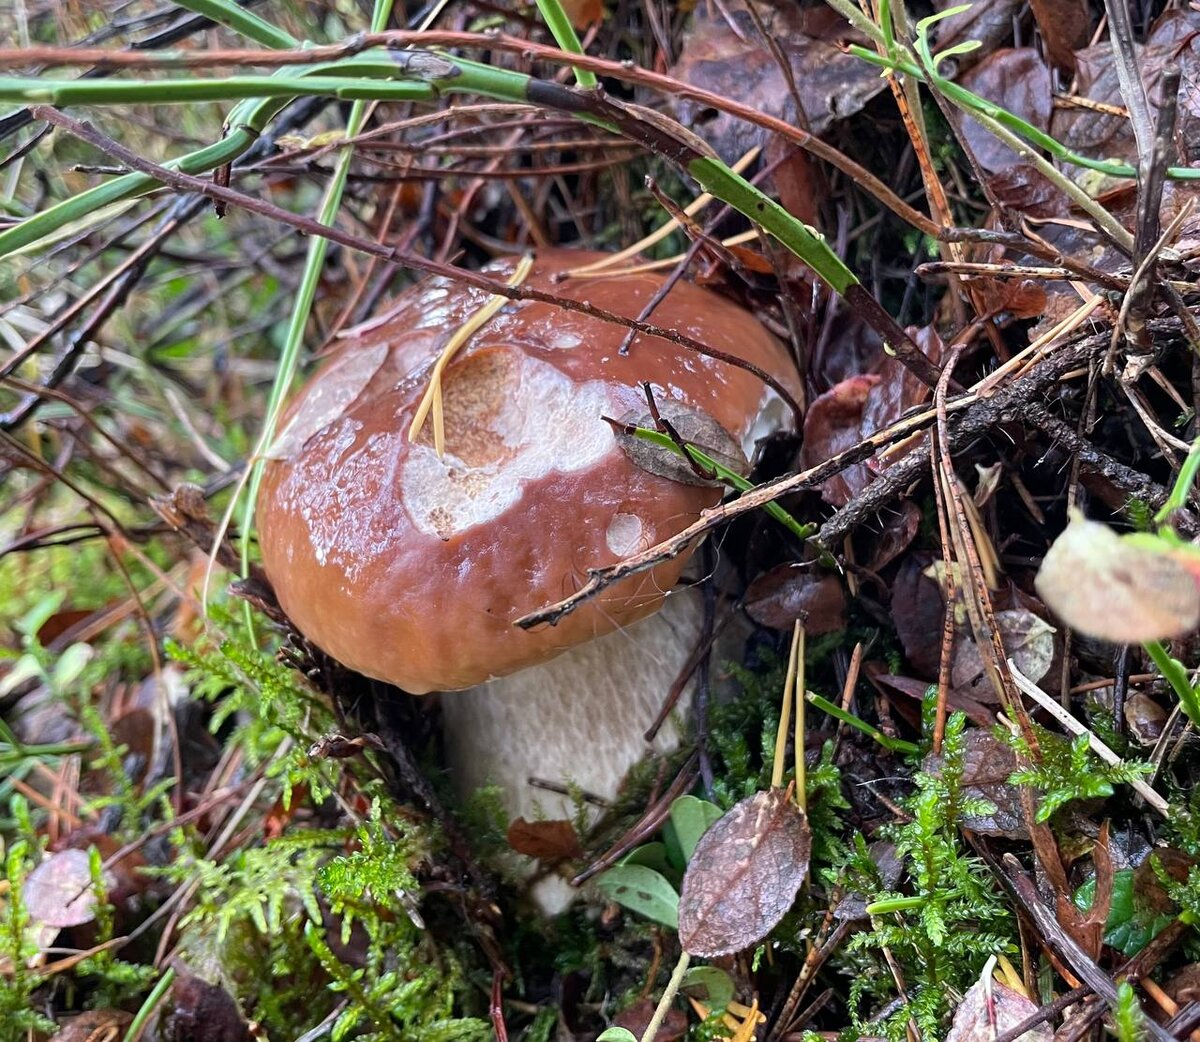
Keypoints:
pixel 412 567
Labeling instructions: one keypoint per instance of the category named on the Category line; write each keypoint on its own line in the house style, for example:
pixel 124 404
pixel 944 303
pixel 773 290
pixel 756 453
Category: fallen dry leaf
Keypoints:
pixel 990 1008
pixel 791 592
pixel 1017 79
pixel 58 892
pixel 744 875
pixel 544 840
pixel 740 66
pixel 1123 589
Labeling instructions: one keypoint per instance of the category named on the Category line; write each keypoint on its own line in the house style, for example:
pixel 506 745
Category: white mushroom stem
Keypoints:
pixel 579 719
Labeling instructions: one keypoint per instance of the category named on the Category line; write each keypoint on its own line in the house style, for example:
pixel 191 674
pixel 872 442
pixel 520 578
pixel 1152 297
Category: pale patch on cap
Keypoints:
pixel 510 419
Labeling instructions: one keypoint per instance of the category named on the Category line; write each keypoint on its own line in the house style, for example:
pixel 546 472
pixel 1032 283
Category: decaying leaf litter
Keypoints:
pixel 212 826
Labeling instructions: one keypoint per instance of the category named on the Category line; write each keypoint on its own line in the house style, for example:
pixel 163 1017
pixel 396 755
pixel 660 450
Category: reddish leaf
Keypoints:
pixel 990 1008
pixel 59 891
pixel 94 1026
pixel 1065 25
pixel 740 66
pixel 744 875
pixel 792 592
pixel 202 1012
pixel 1017 79
pixel 637 1018
pixel 832 425
pixel 544 840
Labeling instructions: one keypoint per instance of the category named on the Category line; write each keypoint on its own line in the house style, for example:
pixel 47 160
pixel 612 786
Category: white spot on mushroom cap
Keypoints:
pixel 626 534
pixel 546 424
pixel 328 397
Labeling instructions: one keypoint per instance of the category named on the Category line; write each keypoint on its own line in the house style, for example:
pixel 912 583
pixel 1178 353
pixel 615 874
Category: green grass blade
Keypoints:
pixel 250 25
pixel 564 35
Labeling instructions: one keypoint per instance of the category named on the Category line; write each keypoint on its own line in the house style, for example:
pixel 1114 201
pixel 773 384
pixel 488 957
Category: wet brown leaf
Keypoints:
pixel 990 1008
pixel 695 427
pixel 792 592
pixel 97 1025
pixel 1145 717
pixel 1123 589
pixel 637 1018
pixel 202 1012
pixel 834 423
pixel 1018 80
pixel 918 610
pixel 1065 25
pixel 544 840
pixel 58 892
pixel 339 747
pixel 744 875
pixel 987 766
pixel 740 66
pixel 1172 39
pixel 899 530
pixel 1027 639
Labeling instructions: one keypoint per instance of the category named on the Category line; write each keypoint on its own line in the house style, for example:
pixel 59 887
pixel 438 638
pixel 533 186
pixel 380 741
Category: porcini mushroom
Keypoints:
pixel 411 567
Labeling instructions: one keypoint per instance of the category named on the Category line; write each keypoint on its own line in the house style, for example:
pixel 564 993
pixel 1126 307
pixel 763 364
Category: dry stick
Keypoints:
pixel 186 183
pixel 943 517
pixel 1076 728
pixel 1152 167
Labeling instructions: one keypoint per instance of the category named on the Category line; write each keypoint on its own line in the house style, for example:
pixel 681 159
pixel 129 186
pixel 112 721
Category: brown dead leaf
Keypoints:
pixel 797 592
pixel 1123 589
pixel 899 530
pixel 744 875
pixel 97 1025
pixel 739 65
pixel 202 1012
pixel 1027 639
pixel 987 765
pixel 637 1018
pixel 58 892
pixel 584 13
pixel 990 1008
pixel 1145 717
pixel 1064 25
pixel 544 840
pixel 834 423
pixel 1018 80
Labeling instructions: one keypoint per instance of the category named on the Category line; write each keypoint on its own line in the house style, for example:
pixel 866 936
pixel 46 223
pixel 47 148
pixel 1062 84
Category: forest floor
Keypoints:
pixel 936 779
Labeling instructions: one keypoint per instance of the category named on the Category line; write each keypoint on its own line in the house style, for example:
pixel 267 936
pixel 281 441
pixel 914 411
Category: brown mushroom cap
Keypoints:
pixel 412 569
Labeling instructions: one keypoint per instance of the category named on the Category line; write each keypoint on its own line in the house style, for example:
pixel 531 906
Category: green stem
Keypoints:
pixel 976 105
pixel 1175 674
pixel 668 996
pixel 138 1024
pixel 1182 488
pixel 895 745
pixel 730 477
pixel 242 21
pixel 289 359
pixel 564 35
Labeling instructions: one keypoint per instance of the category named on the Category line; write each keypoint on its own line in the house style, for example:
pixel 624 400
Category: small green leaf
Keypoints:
pixel 1130 926
pixel 70 665
pixel 644 891
pixel 615 1034
pixel 692 818
pixel 717 984
pixel 651 855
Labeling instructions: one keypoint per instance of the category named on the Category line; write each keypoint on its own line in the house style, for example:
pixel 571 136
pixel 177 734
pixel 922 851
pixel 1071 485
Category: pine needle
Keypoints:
pixel 432 399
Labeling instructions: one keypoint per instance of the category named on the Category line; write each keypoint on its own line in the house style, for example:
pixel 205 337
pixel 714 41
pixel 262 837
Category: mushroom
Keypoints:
pixel 412 567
